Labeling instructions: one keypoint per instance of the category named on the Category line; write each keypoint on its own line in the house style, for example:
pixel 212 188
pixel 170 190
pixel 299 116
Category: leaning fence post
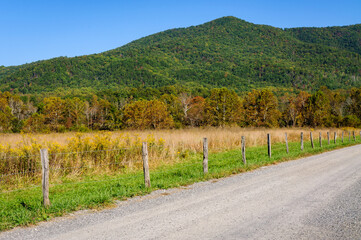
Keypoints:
pixel 45 176
pixel 342 136
pixel 243 140
pixel 320 137
pixel 311 137
pixel 145 165
pixel 286 143
pixel 353 134
pixel 328 138
pixel 269 145
pixel 335 137
pixel 205 155
pixel 301 141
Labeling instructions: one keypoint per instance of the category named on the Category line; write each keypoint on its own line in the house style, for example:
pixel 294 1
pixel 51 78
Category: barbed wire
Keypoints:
pixel 276 146
pixel 93 151
pixel 20 173
pixel 17 157
pixel 97 165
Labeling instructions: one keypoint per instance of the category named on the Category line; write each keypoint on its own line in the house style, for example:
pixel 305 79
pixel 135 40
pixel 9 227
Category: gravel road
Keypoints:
pixel 317 197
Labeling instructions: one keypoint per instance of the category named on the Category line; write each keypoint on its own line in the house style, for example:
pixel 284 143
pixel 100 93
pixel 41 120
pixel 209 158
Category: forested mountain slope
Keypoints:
pixel 346 37
pixel 226 52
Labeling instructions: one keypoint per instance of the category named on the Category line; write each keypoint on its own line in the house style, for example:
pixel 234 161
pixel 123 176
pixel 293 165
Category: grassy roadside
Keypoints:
pixel 24 207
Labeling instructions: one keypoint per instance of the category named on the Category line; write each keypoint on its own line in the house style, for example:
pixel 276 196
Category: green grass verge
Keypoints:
pixel 24 207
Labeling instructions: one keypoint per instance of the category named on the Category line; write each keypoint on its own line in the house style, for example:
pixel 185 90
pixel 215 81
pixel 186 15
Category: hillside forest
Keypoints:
pixel 226 52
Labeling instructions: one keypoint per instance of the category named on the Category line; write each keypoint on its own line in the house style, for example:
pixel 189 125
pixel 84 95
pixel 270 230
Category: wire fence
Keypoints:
pixel 26 170
pixel 85 167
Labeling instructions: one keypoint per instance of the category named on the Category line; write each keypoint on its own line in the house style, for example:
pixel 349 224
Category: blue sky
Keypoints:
pixel 34 30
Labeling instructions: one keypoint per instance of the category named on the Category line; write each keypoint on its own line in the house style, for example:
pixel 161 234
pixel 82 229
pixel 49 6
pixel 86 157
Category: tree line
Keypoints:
pixel 178 109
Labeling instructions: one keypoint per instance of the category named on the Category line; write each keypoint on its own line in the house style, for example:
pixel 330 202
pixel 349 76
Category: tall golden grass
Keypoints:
pixel 73 154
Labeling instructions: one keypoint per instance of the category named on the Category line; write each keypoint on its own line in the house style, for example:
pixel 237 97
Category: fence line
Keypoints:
pixel 19 173
pixel 17 157
pixel 93 151
pixel 146 172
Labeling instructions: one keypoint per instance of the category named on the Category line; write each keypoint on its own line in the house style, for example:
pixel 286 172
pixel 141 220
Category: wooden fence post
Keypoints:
pixel 311 137
pixel 335 137
pixel 286 143
pixel 360 135
pixel 205 155
pixel 328 138
pixel 301 141
pixel 145 165
pixel 45 176
pixel 353 134
pixel 342 136
pixel 320 137
pixel 243 140
pixel 349 136
pixel 269 145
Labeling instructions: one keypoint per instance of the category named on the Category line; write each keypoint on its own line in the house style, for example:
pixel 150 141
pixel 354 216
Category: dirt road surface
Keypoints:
pixel 318 197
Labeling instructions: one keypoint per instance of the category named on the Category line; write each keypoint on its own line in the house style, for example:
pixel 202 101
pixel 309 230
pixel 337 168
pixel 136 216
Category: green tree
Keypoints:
pixel 318 109
pixel 223 107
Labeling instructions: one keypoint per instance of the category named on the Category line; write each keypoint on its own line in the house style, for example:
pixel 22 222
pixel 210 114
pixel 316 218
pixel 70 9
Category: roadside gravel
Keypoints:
pixel 316 197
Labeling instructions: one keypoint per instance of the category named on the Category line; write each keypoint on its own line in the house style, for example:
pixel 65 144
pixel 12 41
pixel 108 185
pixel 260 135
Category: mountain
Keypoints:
pixel 226 52
pixel 346 37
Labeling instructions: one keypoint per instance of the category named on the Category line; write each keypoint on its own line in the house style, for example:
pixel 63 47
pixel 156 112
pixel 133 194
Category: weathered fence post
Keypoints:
pixel 342 136
pixel 45 176
pixel 311 137
pixel 205 155
pixel 269 145
pixel 349 136
pixel 360 135
pixel 320 137
pixel 301 141
pixel 328 138
pixel 286 143
pixel 145 165
pixel 335 137
pixel 243 140
pixel 353 134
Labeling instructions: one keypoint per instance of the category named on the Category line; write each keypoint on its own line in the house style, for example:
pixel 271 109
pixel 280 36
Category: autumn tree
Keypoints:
pixel 54 109
pixel 295 113
pixel 145 114
pixel 35 123
pixel 196 111
pixel 260 109
pixel 74 112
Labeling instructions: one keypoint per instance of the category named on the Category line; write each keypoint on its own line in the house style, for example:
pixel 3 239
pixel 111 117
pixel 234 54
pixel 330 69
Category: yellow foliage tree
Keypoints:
pixel 144 114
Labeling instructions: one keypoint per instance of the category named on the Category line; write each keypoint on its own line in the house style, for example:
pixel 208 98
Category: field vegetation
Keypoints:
pixel 92 170
pixel 75 156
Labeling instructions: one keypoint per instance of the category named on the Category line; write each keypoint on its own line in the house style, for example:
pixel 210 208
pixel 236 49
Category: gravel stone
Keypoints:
pixel 317 197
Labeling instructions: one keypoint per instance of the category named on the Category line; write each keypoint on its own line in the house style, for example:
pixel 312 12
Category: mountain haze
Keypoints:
pixel 226 52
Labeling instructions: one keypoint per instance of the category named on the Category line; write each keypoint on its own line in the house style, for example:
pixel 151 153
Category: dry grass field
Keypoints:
pixel 75 154
pixel 219 138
